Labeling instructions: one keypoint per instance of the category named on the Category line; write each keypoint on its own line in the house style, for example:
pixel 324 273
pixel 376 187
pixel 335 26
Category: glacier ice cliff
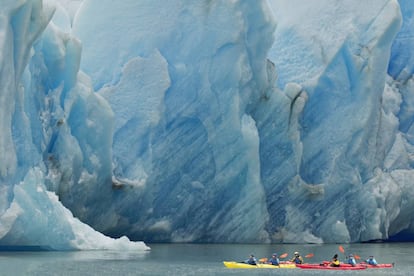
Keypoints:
pixel 50 123
pixel 205 121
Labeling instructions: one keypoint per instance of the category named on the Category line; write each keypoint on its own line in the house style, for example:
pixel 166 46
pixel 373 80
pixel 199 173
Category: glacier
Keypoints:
pixel 41 94
pixel 269 121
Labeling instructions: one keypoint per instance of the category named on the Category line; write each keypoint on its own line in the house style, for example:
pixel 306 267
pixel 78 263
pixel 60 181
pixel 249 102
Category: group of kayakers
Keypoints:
pixel 351 260
pixel 274 259
pixel 297 259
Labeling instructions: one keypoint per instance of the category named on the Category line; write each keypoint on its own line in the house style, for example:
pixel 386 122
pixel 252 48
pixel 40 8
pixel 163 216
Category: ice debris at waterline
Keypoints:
pixel 36 218
pixel 205 121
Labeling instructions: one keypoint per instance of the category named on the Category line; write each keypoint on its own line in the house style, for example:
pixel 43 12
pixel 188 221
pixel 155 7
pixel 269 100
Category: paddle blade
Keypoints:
pixel 263 260
pixel 310 255
pixel 284 255
pixel 341 249
pixel 357 257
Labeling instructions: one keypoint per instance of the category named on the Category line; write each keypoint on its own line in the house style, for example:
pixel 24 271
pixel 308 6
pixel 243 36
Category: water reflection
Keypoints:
pixel 106 255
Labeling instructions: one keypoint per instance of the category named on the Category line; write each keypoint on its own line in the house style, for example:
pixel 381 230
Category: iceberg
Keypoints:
pixel 205 121
pixel 45 145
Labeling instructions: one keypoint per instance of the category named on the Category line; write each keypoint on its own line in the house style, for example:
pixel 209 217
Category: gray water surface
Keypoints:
pixel 199 259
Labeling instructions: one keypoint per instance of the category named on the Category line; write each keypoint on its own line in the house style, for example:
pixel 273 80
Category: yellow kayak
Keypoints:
pixel 244 265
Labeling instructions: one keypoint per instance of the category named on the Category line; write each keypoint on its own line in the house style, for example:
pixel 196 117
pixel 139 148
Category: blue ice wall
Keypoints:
pixel 51 134
pixel 205 121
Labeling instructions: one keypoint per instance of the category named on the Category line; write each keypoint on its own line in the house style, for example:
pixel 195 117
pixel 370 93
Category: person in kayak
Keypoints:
pixel 251 260
pixel 371 260
pixel 297 259
pixel 274 260
pixel 351 260
pixel 335 262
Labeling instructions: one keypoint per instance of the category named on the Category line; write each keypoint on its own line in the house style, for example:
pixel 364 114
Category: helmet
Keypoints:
pixel 274 254
pixel 296 253
pixel 350 255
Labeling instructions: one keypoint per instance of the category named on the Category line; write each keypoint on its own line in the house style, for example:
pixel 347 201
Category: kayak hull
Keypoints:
pixel 248 266
pixel 373 266
pixel 380 266
pixel 328 267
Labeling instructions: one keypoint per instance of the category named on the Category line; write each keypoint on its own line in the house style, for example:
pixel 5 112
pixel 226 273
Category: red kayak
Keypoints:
pixel 379 265
pixel 374 266
pixel 328 267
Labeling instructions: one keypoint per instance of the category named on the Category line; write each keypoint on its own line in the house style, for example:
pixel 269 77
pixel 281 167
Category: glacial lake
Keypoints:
pixel 199 259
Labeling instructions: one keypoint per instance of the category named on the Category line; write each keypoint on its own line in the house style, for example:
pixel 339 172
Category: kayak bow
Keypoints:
pixel 248 266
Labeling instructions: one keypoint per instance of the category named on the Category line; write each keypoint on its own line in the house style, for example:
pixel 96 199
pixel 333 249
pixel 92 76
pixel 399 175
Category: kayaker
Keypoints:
pixel 274 260
pixel 351 260
pixel 371 260
pixel 251 260
pixel 335 262
pixel 297 259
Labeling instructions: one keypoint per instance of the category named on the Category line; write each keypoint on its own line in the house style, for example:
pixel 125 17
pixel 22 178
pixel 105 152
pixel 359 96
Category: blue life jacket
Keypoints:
pixel 297 260
pixel 251 261
pixel 274 261
pixel 351 261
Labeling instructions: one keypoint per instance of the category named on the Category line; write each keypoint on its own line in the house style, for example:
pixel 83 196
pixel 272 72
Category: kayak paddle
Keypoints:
pixel 262 260
pixel 341 249
pixel 284 255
